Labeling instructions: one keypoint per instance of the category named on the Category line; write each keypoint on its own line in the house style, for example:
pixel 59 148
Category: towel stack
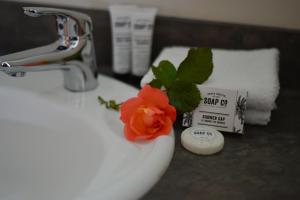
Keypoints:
pixel 253 70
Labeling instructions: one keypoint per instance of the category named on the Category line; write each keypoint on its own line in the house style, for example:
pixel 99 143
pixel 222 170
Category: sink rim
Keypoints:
pixel 132 184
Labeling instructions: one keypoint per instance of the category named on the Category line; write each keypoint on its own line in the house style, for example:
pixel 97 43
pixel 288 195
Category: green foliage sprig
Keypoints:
pixel 180 84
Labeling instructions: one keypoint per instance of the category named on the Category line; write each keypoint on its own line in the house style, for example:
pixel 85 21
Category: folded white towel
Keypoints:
pixel 260 117
pixel 253 70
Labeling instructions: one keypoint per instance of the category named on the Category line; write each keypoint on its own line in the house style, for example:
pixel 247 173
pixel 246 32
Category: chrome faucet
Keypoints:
pixel 73 52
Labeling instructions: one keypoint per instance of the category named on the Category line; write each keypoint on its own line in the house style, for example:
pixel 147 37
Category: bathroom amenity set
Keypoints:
pixel 242 88
pixel 132 29
pixel 254 71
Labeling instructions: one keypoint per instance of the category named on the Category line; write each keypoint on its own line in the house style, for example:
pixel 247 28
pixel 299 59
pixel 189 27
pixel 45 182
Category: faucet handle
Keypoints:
pixel 69 23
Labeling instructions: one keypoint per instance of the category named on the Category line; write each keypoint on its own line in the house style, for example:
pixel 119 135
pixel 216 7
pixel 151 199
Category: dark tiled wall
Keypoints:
pixel 18 32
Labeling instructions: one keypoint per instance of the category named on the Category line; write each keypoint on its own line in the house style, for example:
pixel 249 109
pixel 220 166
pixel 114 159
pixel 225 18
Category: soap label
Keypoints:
pixel 203 134
pixel 222 109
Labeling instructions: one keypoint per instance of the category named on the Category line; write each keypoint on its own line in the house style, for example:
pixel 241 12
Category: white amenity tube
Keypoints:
pixel 142 26
pixel 121 37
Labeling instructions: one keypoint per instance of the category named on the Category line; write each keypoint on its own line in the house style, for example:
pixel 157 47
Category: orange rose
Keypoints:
pixel 148 115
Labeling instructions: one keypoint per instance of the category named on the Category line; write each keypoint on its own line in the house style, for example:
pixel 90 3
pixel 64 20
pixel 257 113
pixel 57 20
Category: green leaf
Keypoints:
pixel 197 66
pixel 184 96
pixel 156 83
pixel 165 72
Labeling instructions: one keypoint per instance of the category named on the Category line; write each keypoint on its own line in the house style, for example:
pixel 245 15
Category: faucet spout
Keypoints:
pixel 77 77
pixel 73 52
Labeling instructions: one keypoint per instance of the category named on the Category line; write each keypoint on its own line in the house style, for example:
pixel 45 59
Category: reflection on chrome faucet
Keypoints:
pixel 73 52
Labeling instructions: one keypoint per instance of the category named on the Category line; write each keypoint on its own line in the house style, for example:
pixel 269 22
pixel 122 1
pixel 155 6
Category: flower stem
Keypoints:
pixel 111 104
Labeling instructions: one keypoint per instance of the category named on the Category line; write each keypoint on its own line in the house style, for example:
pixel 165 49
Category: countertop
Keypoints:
pixel 264 163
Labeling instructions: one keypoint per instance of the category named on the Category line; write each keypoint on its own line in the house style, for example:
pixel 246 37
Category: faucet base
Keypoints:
pixel 77 77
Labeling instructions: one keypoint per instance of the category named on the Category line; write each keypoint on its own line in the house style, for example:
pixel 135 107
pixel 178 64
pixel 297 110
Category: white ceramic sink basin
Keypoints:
pixel 59 145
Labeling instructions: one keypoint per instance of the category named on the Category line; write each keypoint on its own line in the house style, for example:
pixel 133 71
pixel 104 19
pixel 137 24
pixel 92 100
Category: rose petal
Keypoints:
pixel 171 112
pixel 148 115
pixel 137 124
pixel 166 128
pixel 128 133
pixel 129 107
pixel 154 96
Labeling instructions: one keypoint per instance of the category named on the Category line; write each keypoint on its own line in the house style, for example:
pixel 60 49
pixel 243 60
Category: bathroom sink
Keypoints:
pixel 59 145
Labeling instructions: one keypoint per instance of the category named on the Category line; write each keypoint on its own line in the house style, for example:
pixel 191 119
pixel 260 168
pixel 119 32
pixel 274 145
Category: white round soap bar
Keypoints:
pixel 202 140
